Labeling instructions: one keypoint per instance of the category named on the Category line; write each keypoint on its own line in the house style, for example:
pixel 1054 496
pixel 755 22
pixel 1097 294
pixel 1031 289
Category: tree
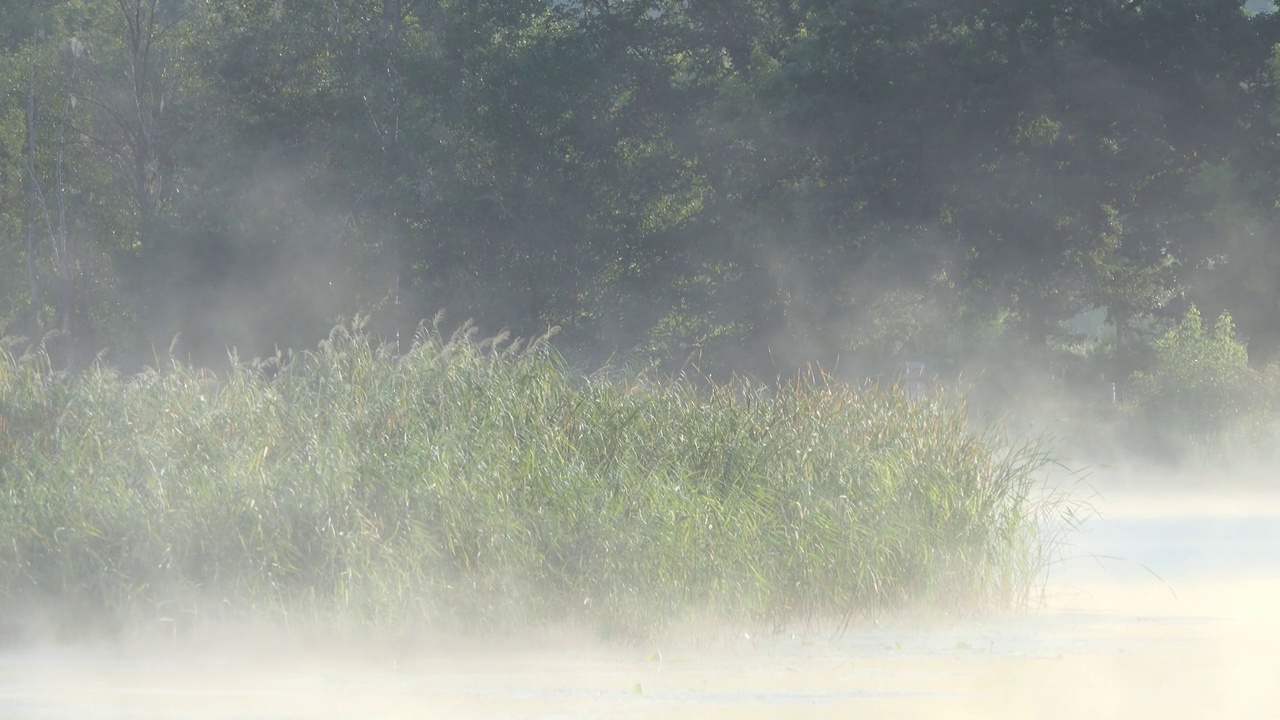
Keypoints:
pixel 1201 383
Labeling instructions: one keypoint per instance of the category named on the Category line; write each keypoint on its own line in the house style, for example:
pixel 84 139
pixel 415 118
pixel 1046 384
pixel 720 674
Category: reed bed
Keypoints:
pixel 480 486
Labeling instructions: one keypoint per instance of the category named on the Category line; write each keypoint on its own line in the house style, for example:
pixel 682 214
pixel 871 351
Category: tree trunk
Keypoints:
pixel 61 248
pixel 140 32
pixel 35 322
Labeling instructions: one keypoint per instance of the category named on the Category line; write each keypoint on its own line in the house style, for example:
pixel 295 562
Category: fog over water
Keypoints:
pixel 1066 210
pixel 1164 606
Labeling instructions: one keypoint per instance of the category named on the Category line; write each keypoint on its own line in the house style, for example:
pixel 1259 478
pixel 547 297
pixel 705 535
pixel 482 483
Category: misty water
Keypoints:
pixel 1164 606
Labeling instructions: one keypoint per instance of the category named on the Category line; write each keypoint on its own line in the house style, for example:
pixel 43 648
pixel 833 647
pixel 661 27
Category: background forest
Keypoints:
pixel 1026 191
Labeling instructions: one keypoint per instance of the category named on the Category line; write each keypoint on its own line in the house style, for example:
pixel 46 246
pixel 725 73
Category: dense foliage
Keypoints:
pixel 481 486
pixel 762 183
pixel 1202 380
pixel 1202 390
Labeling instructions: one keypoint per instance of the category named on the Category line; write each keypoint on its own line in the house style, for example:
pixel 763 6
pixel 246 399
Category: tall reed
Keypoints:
pixel 478 484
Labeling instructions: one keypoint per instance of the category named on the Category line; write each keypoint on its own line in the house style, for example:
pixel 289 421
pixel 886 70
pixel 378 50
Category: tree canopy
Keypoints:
pixel 759 184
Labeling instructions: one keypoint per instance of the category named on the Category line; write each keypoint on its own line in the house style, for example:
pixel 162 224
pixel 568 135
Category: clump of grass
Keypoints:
pixel 480 485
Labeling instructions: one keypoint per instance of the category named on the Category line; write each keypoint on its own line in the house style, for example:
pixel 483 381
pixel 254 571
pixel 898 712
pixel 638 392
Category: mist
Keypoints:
pixel 639 358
